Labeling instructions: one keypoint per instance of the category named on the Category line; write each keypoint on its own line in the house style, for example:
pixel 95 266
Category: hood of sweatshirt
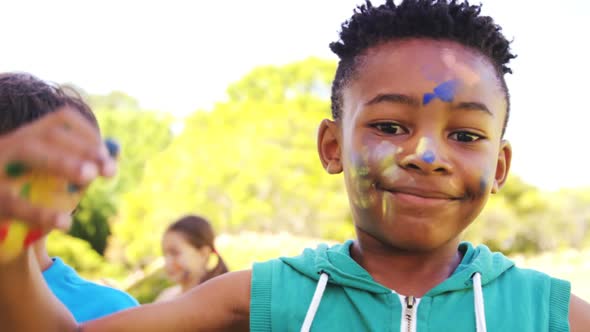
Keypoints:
pixel 342 270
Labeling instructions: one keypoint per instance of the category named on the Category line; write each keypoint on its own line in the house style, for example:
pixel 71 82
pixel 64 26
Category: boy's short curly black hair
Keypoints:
pixel 25 98
pixel 435 19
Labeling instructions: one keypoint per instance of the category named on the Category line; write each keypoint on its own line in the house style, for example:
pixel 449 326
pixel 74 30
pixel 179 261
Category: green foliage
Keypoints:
pixel 523 219
pixel 141 135
pixel 92 215
pixel 276 84
pixel 147 289
pixel 250 163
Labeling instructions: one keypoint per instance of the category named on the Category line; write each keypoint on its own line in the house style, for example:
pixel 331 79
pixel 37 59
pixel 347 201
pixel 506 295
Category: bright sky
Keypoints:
pixel 176 56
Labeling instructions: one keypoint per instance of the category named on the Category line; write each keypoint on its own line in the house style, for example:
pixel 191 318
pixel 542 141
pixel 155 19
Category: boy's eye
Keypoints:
pixel 463 136
pixel 389 128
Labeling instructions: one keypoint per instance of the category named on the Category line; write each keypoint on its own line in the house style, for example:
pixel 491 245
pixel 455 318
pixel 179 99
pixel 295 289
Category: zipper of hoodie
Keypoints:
pixel 409 309
pixel 409 312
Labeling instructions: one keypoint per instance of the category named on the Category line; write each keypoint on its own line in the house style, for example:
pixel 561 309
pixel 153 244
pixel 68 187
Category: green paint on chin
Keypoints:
pixel 15 169
pixel 25 191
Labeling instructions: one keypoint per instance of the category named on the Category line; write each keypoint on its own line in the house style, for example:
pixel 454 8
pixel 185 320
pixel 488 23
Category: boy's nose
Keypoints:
pixel 426 157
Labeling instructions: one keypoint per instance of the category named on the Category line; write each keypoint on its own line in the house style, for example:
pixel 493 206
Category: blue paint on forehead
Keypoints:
pixel 444 91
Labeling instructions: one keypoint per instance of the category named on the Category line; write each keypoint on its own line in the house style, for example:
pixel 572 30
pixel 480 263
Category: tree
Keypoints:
pixel 250 163
pixel 141 135
pixel 311 77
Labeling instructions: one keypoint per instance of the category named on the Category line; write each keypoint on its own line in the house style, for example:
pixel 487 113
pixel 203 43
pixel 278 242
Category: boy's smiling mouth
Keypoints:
pixel 419 195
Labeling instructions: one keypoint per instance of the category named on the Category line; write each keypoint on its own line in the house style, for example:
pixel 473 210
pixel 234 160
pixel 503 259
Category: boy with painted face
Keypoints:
pixel 420 106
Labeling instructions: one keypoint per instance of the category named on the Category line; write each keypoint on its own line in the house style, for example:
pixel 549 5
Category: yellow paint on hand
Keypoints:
pixel 45 191
pixel 13 243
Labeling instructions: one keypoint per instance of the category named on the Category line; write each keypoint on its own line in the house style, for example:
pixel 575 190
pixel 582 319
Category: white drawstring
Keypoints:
pixel 315 302
pixel 480 314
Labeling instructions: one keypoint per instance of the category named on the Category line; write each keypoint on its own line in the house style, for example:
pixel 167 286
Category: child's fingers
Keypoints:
pixel 69 119
pixel 13 207
pixel 53 145
pixel 87 137
pixel 71 143
pixel 58 144
pixel 54 160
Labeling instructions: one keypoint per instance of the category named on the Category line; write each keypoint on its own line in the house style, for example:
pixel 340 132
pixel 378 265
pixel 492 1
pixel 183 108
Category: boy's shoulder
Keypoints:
pixel 496 258
pixel 309 260
pixel 520 280
pixel 498 265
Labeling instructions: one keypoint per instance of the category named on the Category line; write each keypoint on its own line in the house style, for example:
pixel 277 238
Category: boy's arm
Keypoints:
pixel 26 304
pixel 579 315
pixel 220 304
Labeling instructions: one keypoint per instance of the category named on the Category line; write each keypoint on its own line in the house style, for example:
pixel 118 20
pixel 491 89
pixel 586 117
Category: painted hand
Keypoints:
pixel 43 168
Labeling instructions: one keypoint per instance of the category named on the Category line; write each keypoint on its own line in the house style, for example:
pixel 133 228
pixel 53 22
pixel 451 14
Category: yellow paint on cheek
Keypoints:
pixel 387 209
pixel 359 173
pixel 390 168
pixel 383 158
pixel 391 173
pixel 384 150
pixel 384 155
pixel 362 171
pixel 364 199
pixel 386 162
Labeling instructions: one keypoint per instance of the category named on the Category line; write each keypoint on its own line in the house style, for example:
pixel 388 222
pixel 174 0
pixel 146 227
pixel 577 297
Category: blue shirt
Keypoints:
pixel 84 299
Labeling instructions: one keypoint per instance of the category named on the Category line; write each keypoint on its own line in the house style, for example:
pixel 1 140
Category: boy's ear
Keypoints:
pixel 329 146
pixel 502 166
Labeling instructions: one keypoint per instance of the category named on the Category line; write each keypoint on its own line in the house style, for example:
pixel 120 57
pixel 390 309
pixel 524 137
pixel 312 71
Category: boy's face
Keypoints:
pixel 419 141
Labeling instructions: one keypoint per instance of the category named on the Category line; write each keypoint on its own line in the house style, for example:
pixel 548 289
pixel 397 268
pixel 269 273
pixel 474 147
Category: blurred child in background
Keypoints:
pixel 191 258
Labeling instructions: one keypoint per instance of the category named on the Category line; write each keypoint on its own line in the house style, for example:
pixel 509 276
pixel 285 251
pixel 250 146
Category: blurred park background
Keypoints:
pixel 216 108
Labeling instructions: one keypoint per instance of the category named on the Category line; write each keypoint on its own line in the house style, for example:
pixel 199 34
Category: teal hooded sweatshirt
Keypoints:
pixel 507 298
